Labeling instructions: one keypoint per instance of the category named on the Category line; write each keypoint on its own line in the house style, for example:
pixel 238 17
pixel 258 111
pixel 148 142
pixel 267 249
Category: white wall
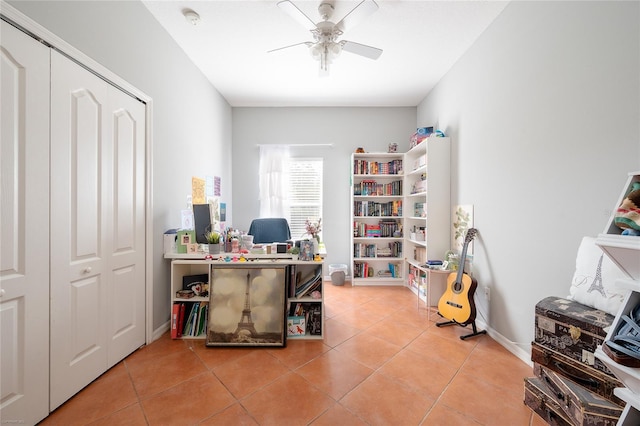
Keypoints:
pixel 191 122
pixel 543 111
pixel 345 128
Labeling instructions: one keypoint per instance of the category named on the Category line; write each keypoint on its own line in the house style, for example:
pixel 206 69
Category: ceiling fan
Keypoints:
pixel 326 46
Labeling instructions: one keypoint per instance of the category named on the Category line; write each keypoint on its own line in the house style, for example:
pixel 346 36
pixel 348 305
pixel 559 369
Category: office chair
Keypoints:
pixel 270 230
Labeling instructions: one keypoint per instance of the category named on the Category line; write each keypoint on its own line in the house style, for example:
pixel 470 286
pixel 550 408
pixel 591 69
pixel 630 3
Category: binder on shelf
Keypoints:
pixel 181 319
pixel 174 320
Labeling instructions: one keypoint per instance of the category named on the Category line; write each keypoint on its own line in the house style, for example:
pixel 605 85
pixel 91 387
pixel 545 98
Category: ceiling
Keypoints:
pixel 421 40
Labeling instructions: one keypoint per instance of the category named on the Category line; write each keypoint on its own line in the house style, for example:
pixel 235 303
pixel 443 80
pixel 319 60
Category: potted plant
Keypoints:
pixel 213 238
pixel 294 252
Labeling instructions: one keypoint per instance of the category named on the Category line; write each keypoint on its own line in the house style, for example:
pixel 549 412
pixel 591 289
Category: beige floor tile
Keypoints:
pixel 382 362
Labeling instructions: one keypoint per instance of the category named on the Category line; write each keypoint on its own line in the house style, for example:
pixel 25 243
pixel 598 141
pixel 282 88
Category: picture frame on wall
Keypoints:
pixel 247 306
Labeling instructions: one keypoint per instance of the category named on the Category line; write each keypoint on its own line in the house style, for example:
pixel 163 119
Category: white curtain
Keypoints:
pixel 274 181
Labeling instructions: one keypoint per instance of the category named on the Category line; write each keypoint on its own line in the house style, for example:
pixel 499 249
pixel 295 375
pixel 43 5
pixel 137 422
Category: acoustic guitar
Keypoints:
pixel 457 304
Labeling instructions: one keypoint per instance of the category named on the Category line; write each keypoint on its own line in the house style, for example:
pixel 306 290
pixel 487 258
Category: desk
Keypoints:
pixel 183 265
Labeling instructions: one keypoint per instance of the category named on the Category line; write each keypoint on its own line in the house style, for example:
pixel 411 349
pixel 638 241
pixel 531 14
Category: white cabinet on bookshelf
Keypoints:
pixel 376 216
pixel 427 212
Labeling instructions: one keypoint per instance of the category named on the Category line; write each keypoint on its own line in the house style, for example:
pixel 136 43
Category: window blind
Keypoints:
pixel 305 193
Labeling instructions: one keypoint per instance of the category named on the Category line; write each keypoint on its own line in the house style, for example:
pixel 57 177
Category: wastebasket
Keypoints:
pixel 337 272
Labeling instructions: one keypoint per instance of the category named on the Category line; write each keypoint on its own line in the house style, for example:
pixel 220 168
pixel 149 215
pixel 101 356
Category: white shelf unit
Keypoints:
pixel 187 266
pixel 427 210
pixel 624 251
pixel 376 205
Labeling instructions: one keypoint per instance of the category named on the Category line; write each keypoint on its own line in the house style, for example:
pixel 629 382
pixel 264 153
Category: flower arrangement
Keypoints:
pixel 313 229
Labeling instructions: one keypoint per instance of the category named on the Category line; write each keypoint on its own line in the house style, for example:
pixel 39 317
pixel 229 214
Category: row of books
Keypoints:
pixel 189 319
pixel 364 270
pixel 384 228
pixel 365 167
pixel 299 286
pixel 392 249
pixel 373 209
pixel 371 187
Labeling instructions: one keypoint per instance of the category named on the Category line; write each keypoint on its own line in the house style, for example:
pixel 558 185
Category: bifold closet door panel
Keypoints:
pixel 126 226
pixel 80 193
pixel 98 227
pixel 24 227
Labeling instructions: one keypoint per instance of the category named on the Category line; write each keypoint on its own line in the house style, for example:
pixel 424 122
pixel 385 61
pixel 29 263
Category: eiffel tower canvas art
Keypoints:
pixel 247 305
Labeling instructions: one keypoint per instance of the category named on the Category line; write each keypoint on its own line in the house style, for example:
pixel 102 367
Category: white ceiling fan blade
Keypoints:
pixel 293 11
pixel 357 14
pixel 361 49
pixel 307 43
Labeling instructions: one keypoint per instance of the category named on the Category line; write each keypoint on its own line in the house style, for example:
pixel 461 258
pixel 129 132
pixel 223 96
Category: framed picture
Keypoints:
pixel 247 306
pixel 306 250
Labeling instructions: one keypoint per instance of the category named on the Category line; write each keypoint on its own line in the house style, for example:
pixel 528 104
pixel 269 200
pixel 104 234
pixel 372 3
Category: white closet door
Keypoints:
pixel 24 228
pixel 80 194
pixel 98 227
pixel 126 226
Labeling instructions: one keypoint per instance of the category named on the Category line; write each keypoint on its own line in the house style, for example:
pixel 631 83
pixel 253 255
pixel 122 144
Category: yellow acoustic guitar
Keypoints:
pixel 457 304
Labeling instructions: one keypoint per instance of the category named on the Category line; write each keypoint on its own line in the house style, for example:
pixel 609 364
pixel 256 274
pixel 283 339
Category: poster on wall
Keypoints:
pixel 198 190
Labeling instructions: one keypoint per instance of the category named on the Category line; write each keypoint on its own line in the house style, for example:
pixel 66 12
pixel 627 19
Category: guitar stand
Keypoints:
pixel 466 336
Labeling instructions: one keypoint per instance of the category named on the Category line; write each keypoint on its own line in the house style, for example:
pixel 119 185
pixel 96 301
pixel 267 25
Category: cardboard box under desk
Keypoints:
pixel 573 329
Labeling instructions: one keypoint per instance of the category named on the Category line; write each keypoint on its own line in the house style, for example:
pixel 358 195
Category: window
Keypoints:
pixel 305 193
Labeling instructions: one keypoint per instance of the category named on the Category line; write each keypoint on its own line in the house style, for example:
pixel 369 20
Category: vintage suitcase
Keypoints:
pixel 585 375
pixel 540 399
pixel 572 329
pixel 579 405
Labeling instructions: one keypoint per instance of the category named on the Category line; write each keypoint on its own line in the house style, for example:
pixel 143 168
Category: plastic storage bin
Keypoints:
pixel 337 273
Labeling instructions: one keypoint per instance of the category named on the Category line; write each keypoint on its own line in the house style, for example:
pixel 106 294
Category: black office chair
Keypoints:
pixel 270 230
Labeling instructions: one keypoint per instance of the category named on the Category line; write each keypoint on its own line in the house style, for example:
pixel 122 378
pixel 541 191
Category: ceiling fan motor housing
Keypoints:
pixel 325 10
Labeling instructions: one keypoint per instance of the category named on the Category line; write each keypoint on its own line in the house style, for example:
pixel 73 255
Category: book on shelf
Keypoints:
pixel 188 329
pixel 296 326
pixel 181 319
pixel 202 319
pixel 175 311
pixel 311 283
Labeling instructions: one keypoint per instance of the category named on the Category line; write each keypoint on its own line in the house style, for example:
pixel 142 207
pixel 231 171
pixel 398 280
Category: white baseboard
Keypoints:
pixel 522 354
pixel 158 332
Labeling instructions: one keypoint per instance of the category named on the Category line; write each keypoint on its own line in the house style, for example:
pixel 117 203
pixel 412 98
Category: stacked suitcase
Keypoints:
pixel 571 386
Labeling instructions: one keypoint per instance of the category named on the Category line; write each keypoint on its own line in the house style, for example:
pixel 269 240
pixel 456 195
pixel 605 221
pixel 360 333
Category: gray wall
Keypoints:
pixel 345 128
pixel 544 113
pixel 191 121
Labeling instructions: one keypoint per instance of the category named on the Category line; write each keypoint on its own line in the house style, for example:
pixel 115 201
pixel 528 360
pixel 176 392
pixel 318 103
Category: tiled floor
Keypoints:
pixel 382 362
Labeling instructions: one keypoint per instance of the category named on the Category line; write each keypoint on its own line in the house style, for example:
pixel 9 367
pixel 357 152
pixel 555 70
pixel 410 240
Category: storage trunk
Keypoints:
pixel 572 329
pixel 577 404
pixel 585 375
pixel 539 398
